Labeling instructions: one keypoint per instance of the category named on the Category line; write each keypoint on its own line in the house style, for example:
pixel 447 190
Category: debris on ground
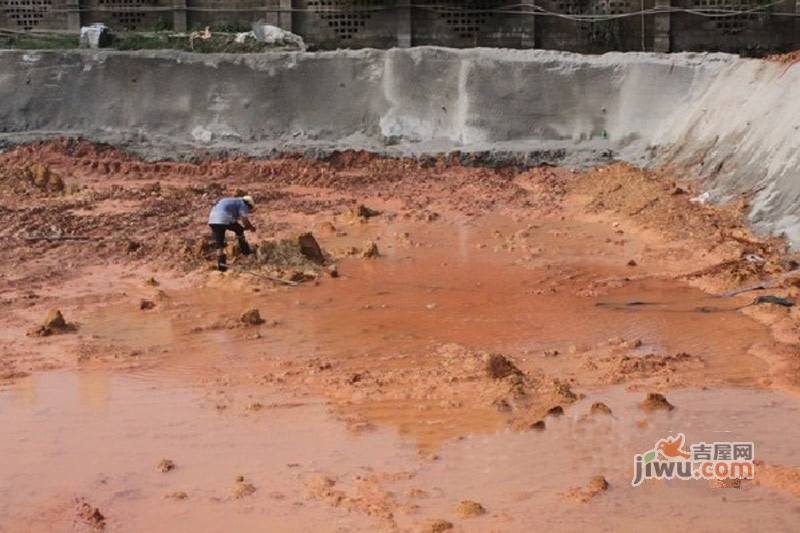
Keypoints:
pixel 96 35
pixel 275 36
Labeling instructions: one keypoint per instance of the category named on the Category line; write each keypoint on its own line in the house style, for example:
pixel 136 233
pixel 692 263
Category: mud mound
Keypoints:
pixel 309 248
pixel 54 324
pixel 656 402
pixel 165 465
pixel 43 178
pixel 599 408
pixel 90 515
pixel 470 509
pixel 297 255
pixel 596 486
pixel 783 478
pixel 30 179
pixel 436 526
pixel 252 318
pixel 498 367
pixel 652 198
pixel 243 489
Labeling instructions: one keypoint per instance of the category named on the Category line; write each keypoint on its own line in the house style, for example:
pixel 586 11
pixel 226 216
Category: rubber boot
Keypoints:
pixel 244 247
pixel 222 263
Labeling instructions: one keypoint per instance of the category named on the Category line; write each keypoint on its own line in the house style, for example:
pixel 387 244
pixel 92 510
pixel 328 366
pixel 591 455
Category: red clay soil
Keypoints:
pixel 453 301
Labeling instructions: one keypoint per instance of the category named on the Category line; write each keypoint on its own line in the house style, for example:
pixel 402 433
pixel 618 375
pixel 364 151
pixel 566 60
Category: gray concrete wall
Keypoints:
pixel 733 122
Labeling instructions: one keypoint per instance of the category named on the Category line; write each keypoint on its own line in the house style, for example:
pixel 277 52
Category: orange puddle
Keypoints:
pixel 100 435
pixel 127 425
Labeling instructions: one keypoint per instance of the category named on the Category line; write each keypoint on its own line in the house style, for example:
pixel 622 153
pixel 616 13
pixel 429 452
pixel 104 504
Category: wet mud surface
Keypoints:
pixel 471 355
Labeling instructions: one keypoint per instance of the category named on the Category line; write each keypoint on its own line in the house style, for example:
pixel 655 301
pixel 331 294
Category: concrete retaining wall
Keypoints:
pixel 732 121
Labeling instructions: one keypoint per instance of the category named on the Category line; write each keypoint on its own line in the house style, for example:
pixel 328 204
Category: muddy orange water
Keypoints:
pixel 362 403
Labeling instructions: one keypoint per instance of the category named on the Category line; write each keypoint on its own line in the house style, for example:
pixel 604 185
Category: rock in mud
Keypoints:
pixel 54 324
pixel 243 488
pixel 255 406
pixel 370 250
pixel 656 402
pixel 151 282
pixel 499 366
pixel 333 271
pixel 133 246
pixel 55 320
pixel 176 495
pixel 364 212
pixel 470 509
pixel 772 299
pixel 539 425
pixel 599 408
pixel 597 484
pixel 555 411
pixel 146 305
pixel 91 515
pixel 320 483
pixel 165 465
pixel 301 276
pixel 725 483
pixel 310 248
pixel 252 317
pixel 561 391
pixel 436 526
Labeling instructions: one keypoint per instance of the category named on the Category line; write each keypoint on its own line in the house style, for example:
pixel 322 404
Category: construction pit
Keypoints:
pixel 532 267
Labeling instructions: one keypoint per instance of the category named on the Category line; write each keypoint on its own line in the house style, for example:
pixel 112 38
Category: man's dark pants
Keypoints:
pixel 218 231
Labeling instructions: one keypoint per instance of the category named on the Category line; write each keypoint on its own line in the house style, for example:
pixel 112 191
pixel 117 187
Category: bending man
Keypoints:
pixel 225 216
